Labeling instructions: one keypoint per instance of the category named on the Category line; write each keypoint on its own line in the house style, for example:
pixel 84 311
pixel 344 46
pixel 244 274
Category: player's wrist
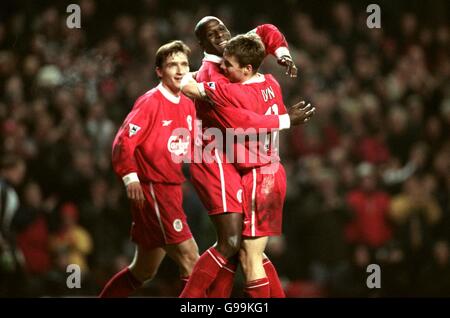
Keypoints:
pixel 187 78
pixel 282 51
pixel 284 121
pixel 130 178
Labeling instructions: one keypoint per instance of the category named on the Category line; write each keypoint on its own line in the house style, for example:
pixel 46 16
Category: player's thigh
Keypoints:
pixel 228 226
pixel 147 261
pixel 264 195
pixel 254 246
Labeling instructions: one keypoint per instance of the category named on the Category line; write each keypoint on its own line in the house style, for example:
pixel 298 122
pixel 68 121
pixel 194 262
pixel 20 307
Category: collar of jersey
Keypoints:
pixel 257 78
pixel 212 58
pixel 168 95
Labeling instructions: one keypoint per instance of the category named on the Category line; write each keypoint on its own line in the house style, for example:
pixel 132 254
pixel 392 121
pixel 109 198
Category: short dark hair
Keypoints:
pixel 248 49
pixel 168 49
pixel 200 26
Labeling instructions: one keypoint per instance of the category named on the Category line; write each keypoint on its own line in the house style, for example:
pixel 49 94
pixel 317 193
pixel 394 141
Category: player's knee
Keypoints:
pixel 190 259
pixel 229 246
pixel 243 258
pixel 248 257
pixel 143 274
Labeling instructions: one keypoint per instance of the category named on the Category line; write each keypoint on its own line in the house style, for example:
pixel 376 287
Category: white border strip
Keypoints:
pixel 214 258
pixel 222 181
pixel 263 284
pixel 158 215
pixel 253 203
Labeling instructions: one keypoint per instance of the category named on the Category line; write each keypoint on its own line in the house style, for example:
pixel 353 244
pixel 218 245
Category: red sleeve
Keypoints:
pixel 230 101
pixel 271 37
pixel 130 135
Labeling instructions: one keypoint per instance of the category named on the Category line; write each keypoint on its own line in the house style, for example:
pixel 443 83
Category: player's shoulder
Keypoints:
pixel 271 79
pixel 148 101
pixel 186 102
pixel 149 96
pixel 208 65
pixel 207 70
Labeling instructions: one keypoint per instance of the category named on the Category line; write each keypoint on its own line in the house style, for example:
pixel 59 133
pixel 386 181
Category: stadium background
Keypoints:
pixel 383 114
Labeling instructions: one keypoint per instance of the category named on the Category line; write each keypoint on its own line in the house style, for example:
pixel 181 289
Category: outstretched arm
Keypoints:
pixel 297 114
pixel 276 45
pixel 230 115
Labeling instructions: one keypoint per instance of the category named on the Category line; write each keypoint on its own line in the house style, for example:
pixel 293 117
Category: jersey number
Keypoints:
pixel 270 138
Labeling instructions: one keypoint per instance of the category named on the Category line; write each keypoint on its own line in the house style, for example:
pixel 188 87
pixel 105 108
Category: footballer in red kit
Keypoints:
pixel 222 194
pixel 261 94
pixel 263 178
pixel 143 150
pixel 156 132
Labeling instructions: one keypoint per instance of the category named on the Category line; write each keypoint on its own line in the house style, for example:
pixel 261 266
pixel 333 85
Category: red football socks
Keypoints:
pixel 123 284
pixel 223 285
pixel 205 272
pixel 276 289
pixel 258 288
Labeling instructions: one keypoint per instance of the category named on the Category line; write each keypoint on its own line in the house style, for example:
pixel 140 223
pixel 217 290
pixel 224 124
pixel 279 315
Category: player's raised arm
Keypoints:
pixel 276 44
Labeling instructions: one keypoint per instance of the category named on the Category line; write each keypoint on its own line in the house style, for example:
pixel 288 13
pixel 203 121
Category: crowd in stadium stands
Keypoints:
pixel 368 176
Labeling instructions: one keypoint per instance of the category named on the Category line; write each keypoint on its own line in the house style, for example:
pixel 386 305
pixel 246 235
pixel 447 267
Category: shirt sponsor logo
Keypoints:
pixel 133 129
pixel 178 145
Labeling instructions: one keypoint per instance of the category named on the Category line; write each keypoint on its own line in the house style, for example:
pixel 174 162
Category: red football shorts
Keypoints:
pixel 264 194
pixel 218 185
pixel 162 220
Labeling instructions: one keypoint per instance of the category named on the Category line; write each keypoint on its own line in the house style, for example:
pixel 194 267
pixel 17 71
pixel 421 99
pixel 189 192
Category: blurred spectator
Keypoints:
pixel 71 244
pixel 32 231
pixel 416 213
pixel 12 172
pixel 369 206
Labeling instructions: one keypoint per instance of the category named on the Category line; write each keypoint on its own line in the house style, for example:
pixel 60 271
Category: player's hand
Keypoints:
pixel 135 194
pixel 300 114
pixel 287 62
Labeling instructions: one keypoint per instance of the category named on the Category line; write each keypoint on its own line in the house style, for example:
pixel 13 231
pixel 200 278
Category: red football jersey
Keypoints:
pixel 275 43
pixel 262 95
pixel 148 142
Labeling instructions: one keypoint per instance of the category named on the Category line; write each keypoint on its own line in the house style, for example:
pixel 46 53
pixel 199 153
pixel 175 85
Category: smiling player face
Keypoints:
pixel 214 37
pixel 172 71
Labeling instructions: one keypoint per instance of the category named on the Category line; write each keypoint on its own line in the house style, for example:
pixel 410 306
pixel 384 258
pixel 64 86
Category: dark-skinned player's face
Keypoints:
pixel 214 37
